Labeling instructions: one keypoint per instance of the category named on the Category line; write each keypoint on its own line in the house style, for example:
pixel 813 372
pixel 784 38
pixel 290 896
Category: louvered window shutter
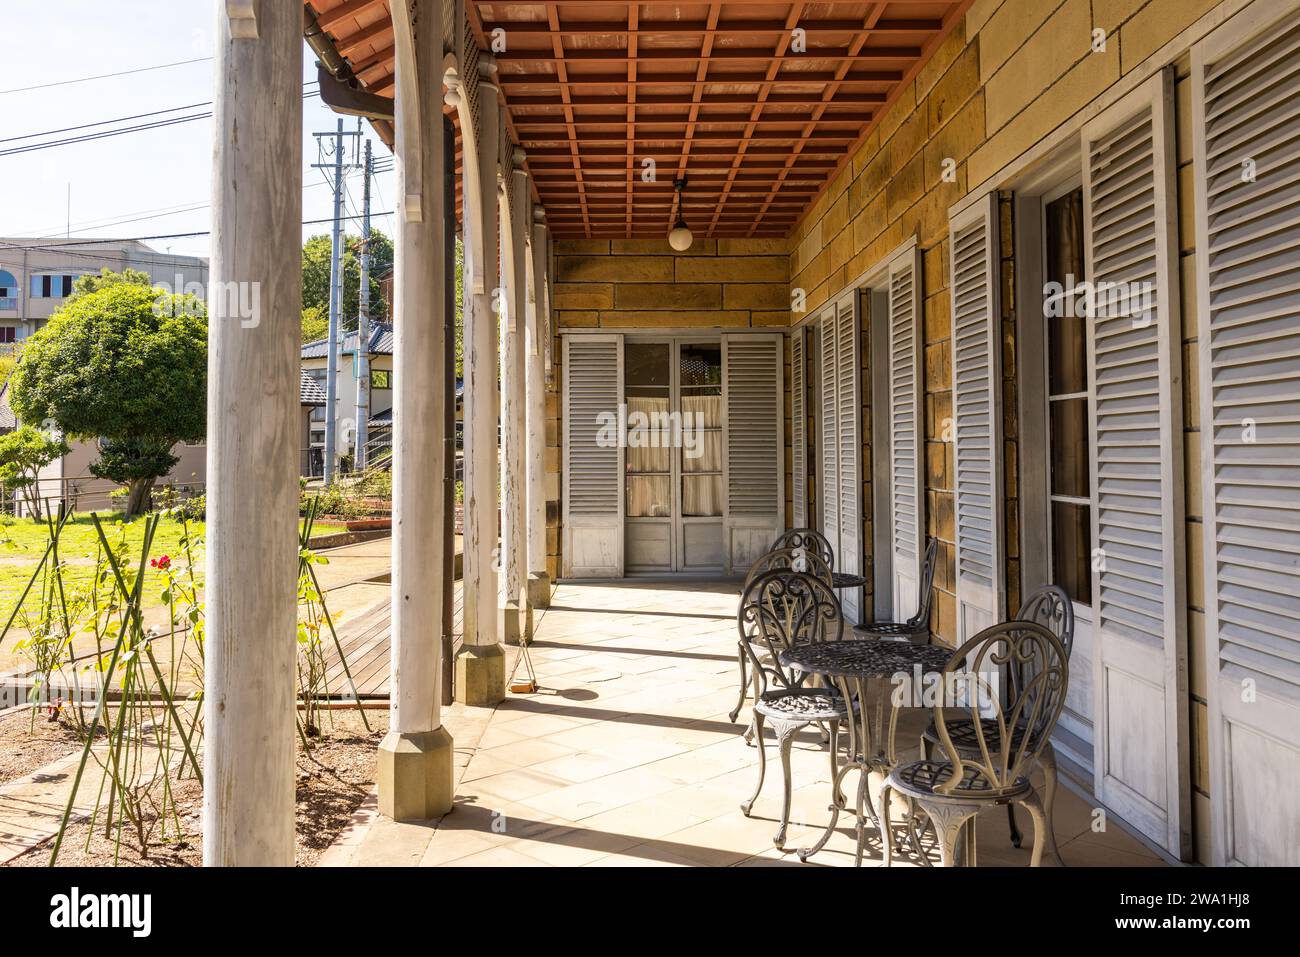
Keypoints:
pixel 977 418
pixel 593 487
pixel 754 463
pixel 1245 95
pixel 828 491
pixel 906 439
pixel 1139 638
pixel 848 406
pixel 798 430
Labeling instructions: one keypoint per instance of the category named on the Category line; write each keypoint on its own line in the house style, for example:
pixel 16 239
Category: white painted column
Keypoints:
pixel 514 537
pixel 415 758
pixel 480 666
pixel 539 582
pixel 253 438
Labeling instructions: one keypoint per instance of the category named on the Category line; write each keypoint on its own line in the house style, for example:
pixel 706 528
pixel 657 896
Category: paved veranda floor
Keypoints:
pixel 626 757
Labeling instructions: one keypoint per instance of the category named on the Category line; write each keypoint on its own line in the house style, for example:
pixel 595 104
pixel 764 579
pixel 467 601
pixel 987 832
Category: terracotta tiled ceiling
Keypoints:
pixel 757 104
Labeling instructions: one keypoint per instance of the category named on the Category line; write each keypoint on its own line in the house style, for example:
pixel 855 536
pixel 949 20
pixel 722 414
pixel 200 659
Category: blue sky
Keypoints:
pixel 140 174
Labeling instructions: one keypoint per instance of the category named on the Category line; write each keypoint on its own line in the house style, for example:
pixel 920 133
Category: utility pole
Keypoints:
pixel 335 153
pixel 361 361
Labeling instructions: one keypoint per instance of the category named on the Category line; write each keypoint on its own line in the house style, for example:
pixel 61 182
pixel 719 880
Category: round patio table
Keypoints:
pixel 851 666
pixel 847 580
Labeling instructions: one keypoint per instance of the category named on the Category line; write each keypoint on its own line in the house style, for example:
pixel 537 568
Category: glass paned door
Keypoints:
pixel 699 456
pixel 648 464
pixel 673 484
pixel 1069 477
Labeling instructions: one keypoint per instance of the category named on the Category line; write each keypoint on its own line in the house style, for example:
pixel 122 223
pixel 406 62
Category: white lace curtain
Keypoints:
pixel 650 495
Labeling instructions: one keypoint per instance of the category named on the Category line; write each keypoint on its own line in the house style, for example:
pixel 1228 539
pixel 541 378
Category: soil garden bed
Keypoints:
pixel 332 781
pixel 29 741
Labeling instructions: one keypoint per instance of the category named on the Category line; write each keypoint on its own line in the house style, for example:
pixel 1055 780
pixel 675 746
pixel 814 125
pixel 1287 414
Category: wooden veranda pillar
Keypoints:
pixel 253 437
pixel 539 581
pixel 514 520
pixel 480 665
pixel 415 758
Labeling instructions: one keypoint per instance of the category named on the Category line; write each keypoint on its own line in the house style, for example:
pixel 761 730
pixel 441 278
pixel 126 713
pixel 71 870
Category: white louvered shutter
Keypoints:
pixel 798 430
pixel 848 408
pixel 977 418
pixel 1139 634
pixel 828 491
pixel 906 439
pixel 1246 99
pixel 593 468
pixel 754 459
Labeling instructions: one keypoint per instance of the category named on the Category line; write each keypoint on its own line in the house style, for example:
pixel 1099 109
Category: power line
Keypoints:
pixel 158 212
pixel 106 76
pixel 105 134
pixel 120 119
pixel 71 243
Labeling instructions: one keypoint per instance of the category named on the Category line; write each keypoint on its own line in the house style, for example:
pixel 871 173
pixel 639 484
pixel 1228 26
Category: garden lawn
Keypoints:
pixel 22 544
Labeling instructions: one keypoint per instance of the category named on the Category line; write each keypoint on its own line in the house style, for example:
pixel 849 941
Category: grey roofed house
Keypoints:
pixel 381 343
pixel 8 421
pixel 310 390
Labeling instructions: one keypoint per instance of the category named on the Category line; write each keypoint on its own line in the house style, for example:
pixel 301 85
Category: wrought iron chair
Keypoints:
pixel 809 539
pixel 917 628
pixel 779 609
pixel 798 558
pixel 1011 727
pixel 1050 607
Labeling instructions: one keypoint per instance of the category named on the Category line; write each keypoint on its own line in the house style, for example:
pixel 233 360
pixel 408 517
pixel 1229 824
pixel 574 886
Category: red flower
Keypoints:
pixel 164 563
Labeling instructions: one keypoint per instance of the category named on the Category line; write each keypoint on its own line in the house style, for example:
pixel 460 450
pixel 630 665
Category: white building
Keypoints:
pixel 36 275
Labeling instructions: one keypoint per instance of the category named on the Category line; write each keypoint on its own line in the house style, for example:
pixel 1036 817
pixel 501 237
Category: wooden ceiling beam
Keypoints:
pixel 652 27
pixel 720 55
pixel 349 8
pixel 800 78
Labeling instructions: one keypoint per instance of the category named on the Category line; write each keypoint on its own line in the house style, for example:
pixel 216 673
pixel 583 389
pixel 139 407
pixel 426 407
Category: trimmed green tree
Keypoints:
pixel 124 365
pixel 316 276
pixel 23 453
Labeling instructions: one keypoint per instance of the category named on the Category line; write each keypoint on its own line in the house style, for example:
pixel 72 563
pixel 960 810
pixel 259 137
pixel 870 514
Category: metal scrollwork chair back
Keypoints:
pixel 917 628
pixel 1010 725
pixel 781 608
pixel 809 539
pixel 797 559
pixel 1051 607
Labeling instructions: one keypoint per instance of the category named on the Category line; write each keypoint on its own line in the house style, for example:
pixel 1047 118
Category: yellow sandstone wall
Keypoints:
pixel 1009 75
pixel 629 284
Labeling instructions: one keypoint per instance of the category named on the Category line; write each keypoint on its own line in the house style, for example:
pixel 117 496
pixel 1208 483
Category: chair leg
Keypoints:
pixel 1047 761
pixel 785 732
pixel 757 690
pixel 744 686
pixel 886 826
pixel 1035 808
pixel 948 820
pixel 757 726
pixel 835 760
pixel 1016 836
pixel 863 800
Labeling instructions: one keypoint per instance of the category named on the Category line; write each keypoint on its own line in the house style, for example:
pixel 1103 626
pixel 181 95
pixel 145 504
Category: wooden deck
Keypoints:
pixel 365 639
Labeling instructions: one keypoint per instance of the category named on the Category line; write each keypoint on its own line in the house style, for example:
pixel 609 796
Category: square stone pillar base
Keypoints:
pixel 514 623
pixel 415 775
pixel 539 590
pixel 481 674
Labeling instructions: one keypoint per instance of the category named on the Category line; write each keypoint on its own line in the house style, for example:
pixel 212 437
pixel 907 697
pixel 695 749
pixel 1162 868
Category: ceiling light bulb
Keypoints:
pixel 680 238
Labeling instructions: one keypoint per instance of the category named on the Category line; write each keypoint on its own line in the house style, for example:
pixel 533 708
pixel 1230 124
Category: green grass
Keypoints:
pixel 22 544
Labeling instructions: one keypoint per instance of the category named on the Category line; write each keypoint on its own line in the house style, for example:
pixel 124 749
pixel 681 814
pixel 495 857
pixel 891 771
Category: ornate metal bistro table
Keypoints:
pixel 847 580
pixel 852 666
